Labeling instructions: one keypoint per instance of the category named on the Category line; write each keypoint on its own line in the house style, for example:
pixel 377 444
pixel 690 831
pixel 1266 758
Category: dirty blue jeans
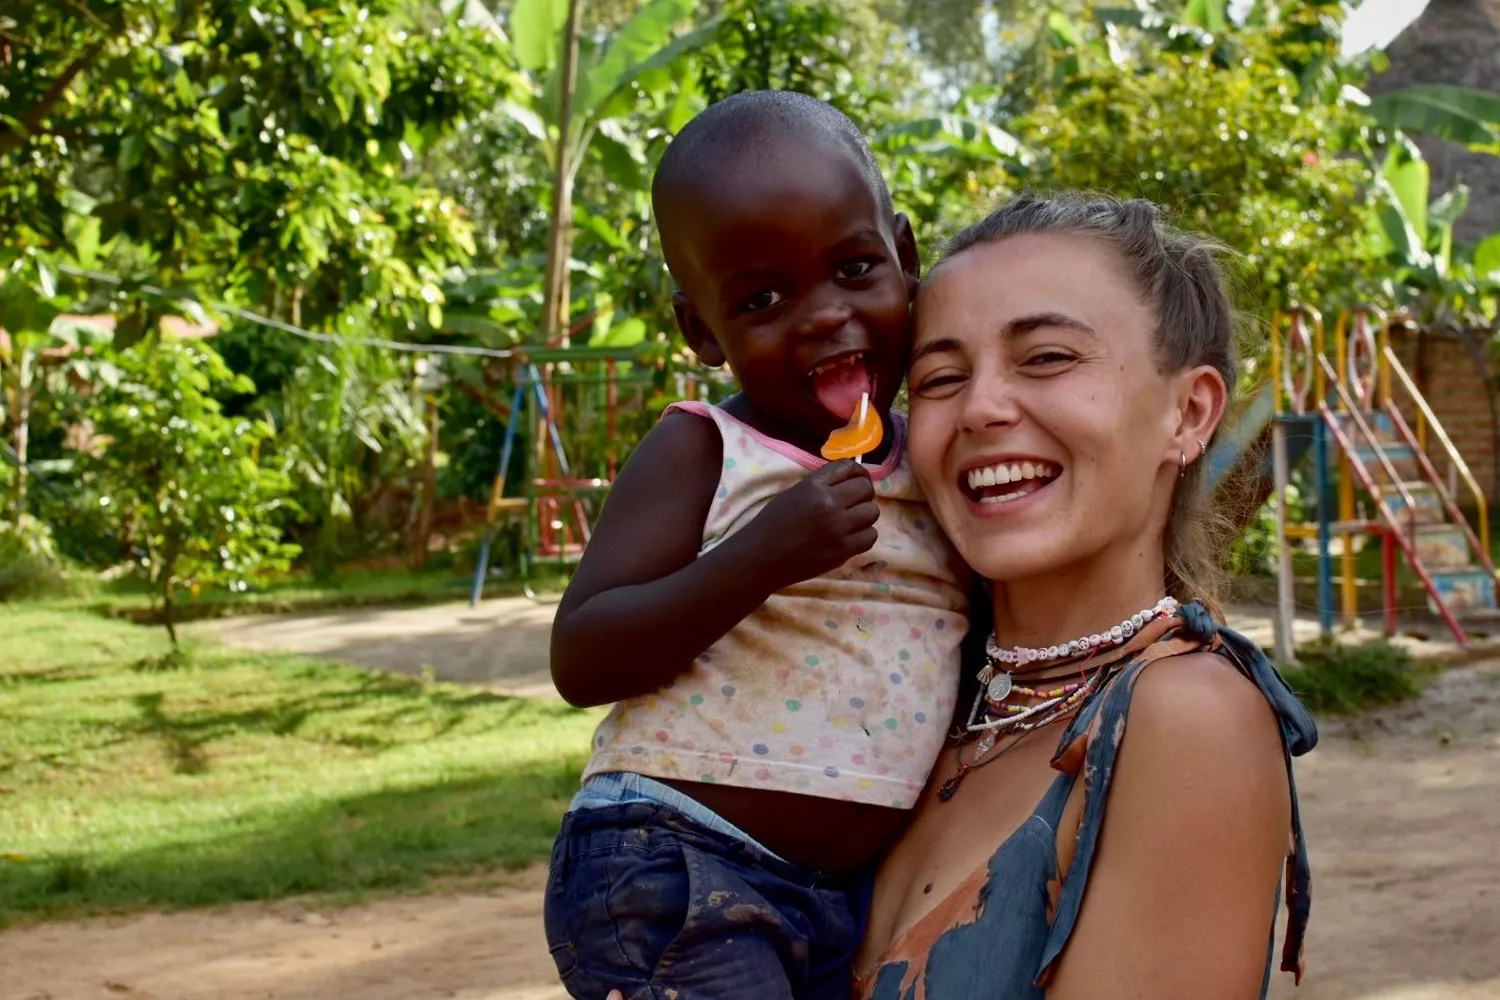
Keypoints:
pixel 644 899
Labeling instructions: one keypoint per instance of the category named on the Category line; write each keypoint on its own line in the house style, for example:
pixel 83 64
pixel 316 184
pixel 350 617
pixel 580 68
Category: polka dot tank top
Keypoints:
pixel 842 686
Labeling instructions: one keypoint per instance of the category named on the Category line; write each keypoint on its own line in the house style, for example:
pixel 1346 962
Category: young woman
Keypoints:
pixel 1118 809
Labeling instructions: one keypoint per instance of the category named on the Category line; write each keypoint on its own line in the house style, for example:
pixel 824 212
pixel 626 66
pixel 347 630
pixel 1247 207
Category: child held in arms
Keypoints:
pixel 779 633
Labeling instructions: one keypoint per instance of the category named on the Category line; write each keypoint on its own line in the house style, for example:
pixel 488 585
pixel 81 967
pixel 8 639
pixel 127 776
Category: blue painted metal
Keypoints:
pixel 1251 430
pixel 508 444
pixel 1325 562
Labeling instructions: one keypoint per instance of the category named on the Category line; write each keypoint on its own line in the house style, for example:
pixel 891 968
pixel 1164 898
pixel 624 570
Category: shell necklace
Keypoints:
pixel 992 716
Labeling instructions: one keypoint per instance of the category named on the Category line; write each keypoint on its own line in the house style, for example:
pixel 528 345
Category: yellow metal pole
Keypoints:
pixel 1320 381
pixel 1382 346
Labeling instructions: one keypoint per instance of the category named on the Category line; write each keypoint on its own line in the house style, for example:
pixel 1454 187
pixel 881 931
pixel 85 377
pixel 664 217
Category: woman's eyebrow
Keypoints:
pixel 1036 321
pixel 1020 326
pixel 942 345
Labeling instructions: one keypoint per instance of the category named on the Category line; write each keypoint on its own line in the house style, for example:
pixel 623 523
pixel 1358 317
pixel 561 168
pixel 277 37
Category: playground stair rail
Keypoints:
pixel 1352 401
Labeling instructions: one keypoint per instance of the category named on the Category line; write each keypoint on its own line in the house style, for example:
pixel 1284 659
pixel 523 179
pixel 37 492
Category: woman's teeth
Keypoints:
pixel 1012 472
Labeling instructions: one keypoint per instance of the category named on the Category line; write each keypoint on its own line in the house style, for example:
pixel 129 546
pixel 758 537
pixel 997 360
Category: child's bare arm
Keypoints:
pixel 642 605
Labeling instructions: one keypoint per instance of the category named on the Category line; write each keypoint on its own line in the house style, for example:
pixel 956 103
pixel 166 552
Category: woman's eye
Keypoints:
pixel 1050 358
pixel 856 268
pixel 761 301
pixel 937 382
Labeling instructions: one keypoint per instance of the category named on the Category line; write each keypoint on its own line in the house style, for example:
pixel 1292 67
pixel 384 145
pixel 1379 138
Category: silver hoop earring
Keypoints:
pixel 1202 448
pixel 1182 469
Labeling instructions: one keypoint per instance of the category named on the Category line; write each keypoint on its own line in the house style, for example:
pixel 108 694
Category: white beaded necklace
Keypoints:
pixel 999 684
pixel 1055 704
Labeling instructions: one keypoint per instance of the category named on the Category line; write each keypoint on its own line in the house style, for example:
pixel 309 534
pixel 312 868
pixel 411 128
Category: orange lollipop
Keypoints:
pixel 860 436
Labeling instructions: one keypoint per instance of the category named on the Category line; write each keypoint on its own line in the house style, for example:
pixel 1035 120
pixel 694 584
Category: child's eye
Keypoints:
pixel 856 268
pixel 761 301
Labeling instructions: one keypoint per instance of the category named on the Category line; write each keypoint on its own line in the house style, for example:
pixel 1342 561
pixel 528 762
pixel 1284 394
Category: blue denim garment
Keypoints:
pixel 644 900
pixel 620 787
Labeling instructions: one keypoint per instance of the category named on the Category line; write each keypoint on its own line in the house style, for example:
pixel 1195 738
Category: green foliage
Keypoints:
pixel 181 479
pixel 1254 552
pixel 351 433
pixel 30 566
pixel 1340 679
pixel 1458 114
pixel 254 776
pixel 1238 149
pixel 1438 280
pixel 259 148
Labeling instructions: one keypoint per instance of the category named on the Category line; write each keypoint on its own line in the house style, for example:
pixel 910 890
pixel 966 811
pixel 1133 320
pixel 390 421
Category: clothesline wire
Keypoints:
pixel 297 331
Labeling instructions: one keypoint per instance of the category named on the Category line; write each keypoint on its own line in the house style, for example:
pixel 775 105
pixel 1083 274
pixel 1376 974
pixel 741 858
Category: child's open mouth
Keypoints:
pixel 1007 482
pixel 840 381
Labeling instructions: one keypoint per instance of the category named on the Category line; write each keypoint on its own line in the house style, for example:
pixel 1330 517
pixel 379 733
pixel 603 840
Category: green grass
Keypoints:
pixel 127 783
pixel 129 598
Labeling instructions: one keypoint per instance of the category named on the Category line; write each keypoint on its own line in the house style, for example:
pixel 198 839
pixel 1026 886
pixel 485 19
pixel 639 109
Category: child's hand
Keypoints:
pixel 817 525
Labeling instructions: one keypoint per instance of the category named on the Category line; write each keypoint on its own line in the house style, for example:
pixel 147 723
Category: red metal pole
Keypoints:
pixel 1388 581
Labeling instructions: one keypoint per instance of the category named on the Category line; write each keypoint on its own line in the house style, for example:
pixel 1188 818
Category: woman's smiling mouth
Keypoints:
pixel 1007 481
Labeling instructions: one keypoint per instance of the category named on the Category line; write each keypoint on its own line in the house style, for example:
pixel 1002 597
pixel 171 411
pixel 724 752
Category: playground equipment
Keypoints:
pixel 570 407
pixel 1358 402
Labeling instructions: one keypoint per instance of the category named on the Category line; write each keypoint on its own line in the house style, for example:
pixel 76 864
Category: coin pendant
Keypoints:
pixel 999 688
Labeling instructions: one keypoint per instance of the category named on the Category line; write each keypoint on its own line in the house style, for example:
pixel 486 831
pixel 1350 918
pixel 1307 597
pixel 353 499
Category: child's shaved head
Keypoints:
pixel 753 129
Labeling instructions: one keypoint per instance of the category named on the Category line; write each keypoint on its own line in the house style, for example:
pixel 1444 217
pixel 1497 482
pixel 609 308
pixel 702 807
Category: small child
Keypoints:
pixel 780 633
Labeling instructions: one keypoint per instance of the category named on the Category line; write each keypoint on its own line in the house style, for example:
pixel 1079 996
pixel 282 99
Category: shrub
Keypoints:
pixel 29 563
pixel 1339 679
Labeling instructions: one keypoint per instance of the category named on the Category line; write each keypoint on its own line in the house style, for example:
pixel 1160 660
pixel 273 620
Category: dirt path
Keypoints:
pixel 476 945
pixel 501 644
pixel 1402 809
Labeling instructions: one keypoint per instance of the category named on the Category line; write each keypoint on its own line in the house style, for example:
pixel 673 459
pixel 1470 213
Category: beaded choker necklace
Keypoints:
pixel 993 715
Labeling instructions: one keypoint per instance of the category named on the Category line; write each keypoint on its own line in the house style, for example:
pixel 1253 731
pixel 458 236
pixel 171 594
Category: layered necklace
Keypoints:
pixel 994 715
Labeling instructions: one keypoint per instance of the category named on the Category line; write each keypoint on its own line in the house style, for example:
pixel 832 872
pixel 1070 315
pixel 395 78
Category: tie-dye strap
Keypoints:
pixel 1092 742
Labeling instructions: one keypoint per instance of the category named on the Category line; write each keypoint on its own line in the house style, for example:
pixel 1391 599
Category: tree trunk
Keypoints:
pixel 11 137
pixel 21 418
pixel 168 609
pixel 429 489
pixel 560 231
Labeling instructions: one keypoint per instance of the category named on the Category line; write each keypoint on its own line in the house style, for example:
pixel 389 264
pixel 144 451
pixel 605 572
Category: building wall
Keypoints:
pixel 1455 388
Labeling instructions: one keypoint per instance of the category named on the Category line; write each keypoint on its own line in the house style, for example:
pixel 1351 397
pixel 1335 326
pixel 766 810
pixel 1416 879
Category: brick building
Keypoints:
pixel 1456 377
pixel 1455 42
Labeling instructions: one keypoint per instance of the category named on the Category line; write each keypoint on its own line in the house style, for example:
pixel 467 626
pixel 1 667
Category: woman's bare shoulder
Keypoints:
pixel 1201 702
pixel 1203 741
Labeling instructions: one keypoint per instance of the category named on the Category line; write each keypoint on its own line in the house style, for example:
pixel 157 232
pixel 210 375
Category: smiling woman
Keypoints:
pixel 1070 367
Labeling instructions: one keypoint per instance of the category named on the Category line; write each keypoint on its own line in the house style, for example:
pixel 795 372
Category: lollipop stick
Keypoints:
pixel 864 411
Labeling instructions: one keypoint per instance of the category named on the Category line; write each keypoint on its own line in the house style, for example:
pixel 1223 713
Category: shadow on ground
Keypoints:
pixel 389 839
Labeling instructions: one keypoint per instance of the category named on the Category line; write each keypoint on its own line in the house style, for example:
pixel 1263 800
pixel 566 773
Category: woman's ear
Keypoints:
pixel 696 332
pixel 1202 399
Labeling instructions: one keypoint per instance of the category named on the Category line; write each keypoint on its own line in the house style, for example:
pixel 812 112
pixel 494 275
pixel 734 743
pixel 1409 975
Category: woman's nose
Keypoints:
pixel 988 401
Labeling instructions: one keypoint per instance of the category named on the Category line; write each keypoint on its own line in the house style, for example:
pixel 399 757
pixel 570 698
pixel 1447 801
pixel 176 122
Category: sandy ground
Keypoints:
pixel 501 644
pixel 1402 809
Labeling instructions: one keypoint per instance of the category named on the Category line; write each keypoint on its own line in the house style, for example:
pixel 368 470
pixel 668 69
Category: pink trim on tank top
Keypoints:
pixel 808 461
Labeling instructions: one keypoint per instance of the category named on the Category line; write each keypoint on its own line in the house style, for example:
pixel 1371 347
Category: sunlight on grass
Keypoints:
pixel 246 775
